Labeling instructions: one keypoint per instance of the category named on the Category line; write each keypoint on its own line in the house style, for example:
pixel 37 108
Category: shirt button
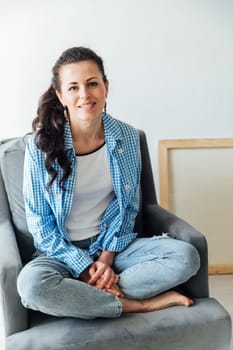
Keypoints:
pixel 120 151
pixel 127 187
pixel 105 225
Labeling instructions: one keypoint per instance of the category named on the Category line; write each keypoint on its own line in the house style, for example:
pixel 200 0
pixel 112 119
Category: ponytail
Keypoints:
pixel 48 127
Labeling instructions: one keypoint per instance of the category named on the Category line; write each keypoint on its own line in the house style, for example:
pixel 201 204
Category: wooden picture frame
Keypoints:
pixel 196 184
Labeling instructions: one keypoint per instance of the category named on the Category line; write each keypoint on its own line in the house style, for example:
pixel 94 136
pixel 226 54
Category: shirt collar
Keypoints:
pixel 112 132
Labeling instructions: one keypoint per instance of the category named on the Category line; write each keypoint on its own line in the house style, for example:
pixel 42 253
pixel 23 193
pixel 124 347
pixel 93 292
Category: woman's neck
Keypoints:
pixel 87 136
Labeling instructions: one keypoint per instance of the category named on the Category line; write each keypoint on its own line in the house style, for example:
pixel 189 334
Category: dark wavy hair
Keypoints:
pixel 48 125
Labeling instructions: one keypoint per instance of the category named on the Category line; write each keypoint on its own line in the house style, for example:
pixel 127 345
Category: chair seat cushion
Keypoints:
pixel 204 326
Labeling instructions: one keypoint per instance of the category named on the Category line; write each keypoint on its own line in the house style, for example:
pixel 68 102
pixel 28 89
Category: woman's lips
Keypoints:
pixel 87 106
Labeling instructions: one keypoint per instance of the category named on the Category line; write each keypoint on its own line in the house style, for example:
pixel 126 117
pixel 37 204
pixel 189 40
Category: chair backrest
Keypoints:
pixel 11 195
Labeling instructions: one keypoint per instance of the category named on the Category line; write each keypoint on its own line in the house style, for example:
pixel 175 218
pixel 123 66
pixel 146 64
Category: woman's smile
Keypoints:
pixel 87 106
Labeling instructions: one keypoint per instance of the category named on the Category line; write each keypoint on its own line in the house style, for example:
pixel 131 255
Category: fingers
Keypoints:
pixel 114 280
pixel 96 271
pixel 108 279
pixel 102 275
pixel 115 290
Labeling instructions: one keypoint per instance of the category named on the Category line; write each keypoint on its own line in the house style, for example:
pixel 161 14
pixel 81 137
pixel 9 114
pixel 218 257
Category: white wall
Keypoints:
pixel 169 62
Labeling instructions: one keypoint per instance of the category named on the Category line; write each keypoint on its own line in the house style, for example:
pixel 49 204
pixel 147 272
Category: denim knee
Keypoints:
pixel 31 285
pixel 27 285
pixel 191 260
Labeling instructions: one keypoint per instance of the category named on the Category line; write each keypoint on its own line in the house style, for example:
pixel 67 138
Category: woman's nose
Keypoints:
pixel 83 92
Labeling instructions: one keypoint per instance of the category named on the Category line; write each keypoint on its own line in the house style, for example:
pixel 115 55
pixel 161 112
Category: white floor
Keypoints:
pixel 221 288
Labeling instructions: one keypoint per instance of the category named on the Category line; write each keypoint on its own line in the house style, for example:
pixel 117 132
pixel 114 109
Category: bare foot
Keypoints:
pixel 164 300
pixel 167 299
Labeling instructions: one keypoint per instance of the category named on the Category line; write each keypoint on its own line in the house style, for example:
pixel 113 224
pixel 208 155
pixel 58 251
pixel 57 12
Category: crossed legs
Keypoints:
pixel 149 269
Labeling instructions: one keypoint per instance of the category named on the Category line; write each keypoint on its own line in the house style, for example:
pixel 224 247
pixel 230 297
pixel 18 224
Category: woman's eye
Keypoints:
pixel 93 83
pixel 72 88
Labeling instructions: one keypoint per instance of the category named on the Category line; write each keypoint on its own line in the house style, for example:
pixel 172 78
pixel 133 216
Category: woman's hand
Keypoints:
pixel 102 275
pixel 115 290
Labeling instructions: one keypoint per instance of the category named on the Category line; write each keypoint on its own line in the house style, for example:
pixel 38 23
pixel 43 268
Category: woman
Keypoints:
pixel 81 190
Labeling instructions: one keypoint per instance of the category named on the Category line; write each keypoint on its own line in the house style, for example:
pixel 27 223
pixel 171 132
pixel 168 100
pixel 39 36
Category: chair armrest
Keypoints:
pixel 14 315
pixel 159 220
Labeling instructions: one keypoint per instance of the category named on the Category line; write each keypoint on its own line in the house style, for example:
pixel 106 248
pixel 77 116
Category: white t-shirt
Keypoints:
pixel 93 192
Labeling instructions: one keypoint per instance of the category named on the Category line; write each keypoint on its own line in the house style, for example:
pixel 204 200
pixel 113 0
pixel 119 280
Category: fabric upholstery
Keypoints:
pixel 12 162
pixel 204 326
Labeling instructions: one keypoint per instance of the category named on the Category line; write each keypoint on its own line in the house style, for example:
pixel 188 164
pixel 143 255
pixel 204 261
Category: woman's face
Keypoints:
pixel 82 91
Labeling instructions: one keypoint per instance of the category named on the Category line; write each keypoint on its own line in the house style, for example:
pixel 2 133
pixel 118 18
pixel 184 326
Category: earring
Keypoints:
pixel 105 107
pixel 66 113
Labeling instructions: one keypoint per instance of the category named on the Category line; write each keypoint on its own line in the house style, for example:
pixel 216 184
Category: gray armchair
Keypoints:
pixel 205 325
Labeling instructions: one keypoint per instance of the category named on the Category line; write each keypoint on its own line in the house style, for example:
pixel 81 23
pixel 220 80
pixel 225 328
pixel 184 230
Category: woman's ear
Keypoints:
pixel 106 88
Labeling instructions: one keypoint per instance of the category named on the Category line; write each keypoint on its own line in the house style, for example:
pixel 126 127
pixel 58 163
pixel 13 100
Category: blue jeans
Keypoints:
pixel 147 267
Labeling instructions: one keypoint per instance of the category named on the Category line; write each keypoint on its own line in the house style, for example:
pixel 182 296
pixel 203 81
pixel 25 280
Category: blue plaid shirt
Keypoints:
pixel 46 211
